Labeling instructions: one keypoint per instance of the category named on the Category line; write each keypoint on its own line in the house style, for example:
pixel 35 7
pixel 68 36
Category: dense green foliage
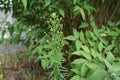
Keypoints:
pixel 92 49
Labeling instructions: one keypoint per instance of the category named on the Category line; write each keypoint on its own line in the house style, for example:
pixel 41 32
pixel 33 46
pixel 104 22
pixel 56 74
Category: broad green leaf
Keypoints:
pixel 79 61
pixel 86 49
pixel 80 10
pixel 72 38
pixel 100 47
pixel 76 33
pixel 44 63
pixel 78 44
pixel 47 2
pixel 76 8
pixel 92 23
pixel 84 70
pixel 76 71
pixel 104 41
pixel 87 33
pixel 118 23
pixel 91 43
pixel 110 57
pixel 111 24
pixel 61 12
pixel 83 25
pixel 98 74
pixel 116 67
pixel 76 77
pixel 93 36
pixel 103 1
pixel 102 34
pixel 24 3
pixel 115 76
pixel 82 37
pixel 93 66
pixel 113 33
pixel 82 53
pixel 82 13
pixel 109 66
pixel 96 31
pixel 75 1
pixel 94 53
pixel 100 57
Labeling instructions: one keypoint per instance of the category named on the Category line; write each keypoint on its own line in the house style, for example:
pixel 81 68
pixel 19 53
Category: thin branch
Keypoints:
pixel 114 10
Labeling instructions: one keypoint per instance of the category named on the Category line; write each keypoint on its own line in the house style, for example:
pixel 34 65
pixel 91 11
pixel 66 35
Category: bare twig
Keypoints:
pixel 114 10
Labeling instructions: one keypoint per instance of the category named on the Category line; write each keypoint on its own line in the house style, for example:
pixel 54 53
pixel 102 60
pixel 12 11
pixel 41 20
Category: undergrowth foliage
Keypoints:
pixel 98 54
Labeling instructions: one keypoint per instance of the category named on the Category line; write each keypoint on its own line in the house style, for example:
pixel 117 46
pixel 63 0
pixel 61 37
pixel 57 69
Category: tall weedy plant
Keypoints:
pixel 49 48
pixel 56 43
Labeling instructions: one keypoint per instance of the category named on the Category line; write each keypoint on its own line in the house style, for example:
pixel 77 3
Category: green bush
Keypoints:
pixel 98 54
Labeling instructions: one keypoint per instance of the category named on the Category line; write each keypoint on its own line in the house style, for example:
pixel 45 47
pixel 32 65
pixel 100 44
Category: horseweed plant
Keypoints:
pixel 49 48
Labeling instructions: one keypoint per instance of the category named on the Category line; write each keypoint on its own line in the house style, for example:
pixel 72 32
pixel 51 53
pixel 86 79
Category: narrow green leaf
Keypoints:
pixel 100 47
pixel 82 37
pixel 79 61
pixel 81 11
pixel 110 57
pixel 76 8
pixel 82 53
pixel 61 12
pixel 86 49
pixel 72 38
pixel 94 53
pixel 108 65
pixel 83 25
pixel 93 36
pixel 78 44
pixel 76 33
